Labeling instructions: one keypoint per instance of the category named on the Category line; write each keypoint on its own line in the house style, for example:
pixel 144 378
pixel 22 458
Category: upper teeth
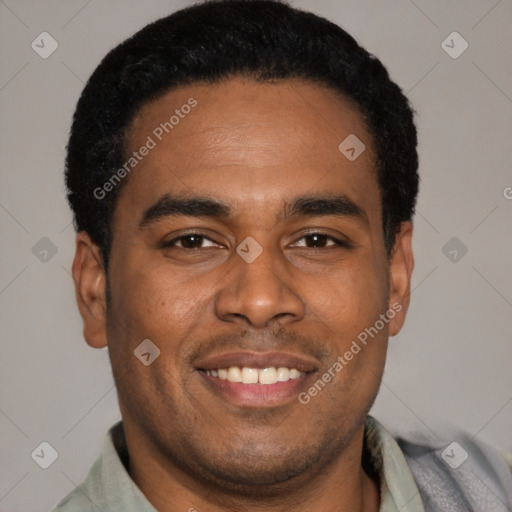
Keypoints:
pixel 269 375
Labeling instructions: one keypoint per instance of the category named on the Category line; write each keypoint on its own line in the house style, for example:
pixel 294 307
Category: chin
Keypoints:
pixel 253 474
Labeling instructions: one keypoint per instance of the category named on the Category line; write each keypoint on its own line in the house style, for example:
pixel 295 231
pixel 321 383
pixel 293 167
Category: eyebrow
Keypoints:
pixel 168 206
pixel 305 206
pixel 340 206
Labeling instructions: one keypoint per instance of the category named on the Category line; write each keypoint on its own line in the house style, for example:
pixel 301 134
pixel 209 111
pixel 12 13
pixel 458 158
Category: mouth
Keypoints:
pixel 251 379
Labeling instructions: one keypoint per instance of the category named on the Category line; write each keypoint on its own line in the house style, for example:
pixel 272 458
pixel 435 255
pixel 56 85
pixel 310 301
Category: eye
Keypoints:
pixel 319 241
pixel 191 241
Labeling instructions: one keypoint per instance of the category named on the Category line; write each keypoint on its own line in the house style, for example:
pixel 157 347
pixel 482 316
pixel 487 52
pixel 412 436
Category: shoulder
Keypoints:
pixel 458 470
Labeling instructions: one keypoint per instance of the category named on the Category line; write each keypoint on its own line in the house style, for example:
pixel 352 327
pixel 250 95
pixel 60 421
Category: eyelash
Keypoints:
pixel 338 242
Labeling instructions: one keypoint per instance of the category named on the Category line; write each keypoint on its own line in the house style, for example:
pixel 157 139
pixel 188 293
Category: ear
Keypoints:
pixel 90 288
pixel 400 271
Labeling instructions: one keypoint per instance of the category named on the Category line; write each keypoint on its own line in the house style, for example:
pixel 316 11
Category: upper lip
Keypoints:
pixel 258 360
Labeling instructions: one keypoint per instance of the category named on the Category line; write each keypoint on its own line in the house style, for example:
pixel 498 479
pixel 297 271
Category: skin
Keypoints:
pixel 254 147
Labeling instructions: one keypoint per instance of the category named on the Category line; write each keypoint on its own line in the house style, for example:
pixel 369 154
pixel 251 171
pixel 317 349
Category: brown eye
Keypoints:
pixel 191 241
pixel 317 240
pixel 320 241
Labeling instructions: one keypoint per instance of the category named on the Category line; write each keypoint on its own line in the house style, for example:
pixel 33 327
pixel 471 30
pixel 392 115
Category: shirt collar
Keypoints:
pixel 119 492
pixel 398 490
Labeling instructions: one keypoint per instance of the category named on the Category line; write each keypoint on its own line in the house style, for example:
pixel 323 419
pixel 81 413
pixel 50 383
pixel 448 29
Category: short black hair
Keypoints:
pixel 208 42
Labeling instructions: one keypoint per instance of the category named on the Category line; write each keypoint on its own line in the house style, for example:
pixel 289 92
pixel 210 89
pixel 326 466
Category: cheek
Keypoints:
pixel 350 299
pixel 149 303
pixel 154 294
pixel 350 304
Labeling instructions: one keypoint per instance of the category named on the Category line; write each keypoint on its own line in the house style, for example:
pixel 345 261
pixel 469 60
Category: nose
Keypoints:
pixel 259 294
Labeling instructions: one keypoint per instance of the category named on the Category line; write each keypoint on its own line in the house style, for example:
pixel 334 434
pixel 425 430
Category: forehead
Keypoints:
pixel 243 141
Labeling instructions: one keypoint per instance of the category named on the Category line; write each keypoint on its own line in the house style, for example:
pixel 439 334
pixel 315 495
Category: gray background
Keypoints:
pixel 450 364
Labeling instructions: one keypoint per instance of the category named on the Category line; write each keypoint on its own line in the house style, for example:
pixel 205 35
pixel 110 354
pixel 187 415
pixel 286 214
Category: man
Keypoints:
pixel 243 178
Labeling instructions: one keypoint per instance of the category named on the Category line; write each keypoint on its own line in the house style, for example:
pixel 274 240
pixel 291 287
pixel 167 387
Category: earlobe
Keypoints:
pixel 90 289
pixel 400 272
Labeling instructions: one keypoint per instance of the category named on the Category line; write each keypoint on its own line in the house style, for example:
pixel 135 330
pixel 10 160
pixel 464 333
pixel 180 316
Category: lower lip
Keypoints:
pixel 257 395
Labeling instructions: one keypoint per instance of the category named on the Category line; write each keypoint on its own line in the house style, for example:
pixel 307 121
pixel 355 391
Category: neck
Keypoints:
pixel 343 486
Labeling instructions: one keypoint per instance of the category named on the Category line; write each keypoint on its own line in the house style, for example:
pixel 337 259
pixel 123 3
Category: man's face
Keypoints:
pixel 268 154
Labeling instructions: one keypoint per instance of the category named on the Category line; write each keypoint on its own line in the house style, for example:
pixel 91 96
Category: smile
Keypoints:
pixel 263 376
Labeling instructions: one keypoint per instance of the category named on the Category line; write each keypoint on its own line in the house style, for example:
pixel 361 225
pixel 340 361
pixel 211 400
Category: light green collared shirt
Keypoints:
pixel 109 488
